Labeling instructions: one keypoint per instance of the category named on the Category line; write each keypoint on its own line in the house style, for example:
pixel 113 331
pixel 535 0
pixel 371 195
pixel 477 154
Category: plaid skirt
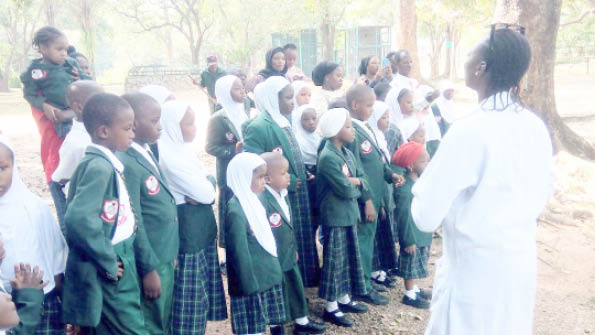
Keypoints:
pixel 198 292
pixel 342 271
pixel 414 266
pixel 252 313
pixel 385 247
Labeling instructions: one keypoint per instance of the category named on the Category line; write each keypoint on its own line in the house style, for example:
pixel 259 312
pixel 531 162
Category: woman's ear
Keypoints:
pixel 480 69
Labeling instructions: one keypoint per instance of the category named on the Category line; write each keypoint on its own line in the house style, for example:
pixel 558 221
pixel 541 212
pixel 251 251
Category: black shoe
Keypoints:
pixel 393 272
pixel 378 287
pixel 426 295
pixel 342 321
pixel 374 298
pixel 311 328
pixel 352 307
pixel 388 282
pixel 417 303
pixel 277 330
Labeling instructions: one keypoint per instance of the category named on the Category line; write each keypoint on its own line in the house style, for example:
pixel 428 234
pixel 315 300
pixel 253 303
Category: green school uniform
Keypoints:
pixel 378 174
pixel 250 268
pixel 149 192
pixel 294 295
pixel 93 295
pixel 409 234
pixel 29 303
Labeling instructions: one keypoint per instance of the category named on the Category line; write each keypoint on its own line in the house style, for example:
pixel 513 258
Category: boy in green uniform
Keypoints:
pixel 101 288
pixel 360 100
pixel 149 193
pixel 274 200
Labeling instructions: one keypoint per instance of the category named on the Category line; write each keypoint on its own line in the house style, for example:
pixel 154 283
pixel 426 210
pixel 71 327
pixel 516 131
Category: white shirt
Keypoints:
pixel 400 81
pixel 431 126
pixel 486 185
pixel 72 151
pixel 280 197
pixel 144 151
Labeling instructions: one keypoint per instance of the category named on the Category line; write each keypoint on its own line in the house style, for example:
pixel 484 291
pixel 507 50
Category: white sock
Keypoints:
pixel 411 294
pixel 416 289
pixel 302 321
pixel 382 276
pixel 333 307
pixel 344 299
pixel 375 274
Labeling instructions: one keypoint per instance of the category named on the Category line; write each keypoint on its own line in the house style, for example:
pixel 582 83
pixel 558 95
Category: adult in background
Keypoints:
pixel 486 186
pixel 371 73
pixel 329 77
pixel 208 78
pixel 275 66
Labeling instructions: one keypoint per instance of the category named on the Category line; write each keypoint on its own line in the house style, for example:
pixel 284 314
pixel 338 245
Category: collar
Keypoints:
pixel 365 126
pixel 278 195
pixel 140 148
pixel 110 156
pixel 497 102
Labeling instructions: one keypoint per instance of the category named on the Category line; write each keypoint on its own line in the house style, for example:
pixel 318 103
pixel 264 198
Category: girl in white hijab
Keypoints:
pixel 445 103
pixel 29 233
pixel 380 118
pixel 272 87
pixel 232 109
pixel 259 97
pixel 304 124
pixel 160 93
pixel 302 93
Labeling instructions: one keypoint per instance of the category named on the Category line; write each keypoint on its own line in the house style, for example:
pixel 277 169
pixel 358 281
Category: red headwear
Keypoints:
pixel 407 154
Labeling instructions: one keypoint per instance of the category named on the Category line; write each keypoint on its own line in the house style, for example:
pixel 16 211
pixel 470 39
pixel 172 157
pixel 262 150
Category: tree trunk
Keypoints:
pixel 50 12
pixel 542 19
pixel 406 31
pixel 327 31
pixel 449 48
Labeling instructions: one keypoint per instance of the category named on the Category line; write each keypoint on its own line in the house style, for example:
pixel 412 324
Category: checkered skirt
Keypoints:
pixel 414 266
pixel 385 248
pixel 342 271
pixel 198 292
pixel 301 216
pixel 252 313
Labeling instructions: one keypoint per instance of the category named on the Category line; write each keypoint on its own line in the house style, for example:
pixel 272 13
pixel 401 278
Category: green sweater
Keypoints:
pixel 409 234
pixel 29 303
pixel 221 143
pixel 282 230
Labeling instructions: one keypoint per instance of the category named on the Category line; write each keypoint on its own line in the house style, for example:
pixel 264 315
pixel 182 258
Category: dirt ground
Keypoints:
pixel 566 235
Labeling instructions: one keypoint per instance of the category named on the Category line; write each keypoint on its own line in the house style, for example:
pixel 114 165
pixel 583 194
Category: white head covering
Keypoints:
pixel 259 96
pixel 395 109
pixel 239 179
pixel 184 171
pixel 447 107
pixel 29 232
pixel 233 110
pixel 408 127
pixel 157 92
pixel 380 108
pixel 297 87
pixel 272 86
pixel 308 142
pixel 332 121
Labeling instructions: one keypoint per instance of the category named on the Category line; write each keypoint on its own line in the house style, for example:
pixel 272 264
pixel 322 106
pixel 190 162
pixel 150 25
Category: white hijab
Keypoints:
pixel 396 116
pixel 239 179
pixel 272 86
pixel 298 85
pixel 157 92
pixel 308 142
pixel 447 107
pixel 29 232
pixel 233 110
pixel 332 121
pixel 380 108
pixel 184 171
pixel 259 97
pixel 408 127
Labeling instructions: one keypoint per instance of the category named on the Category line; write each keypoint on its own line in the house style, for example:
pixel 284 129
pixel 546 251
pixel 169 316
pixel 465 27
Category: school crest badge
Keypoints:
pixel 345 170
pixel 366 147
pixel 152 185
pixel 275 220
pixel 278 149
pixel 229 136
pixel 110 211
pixel 37 74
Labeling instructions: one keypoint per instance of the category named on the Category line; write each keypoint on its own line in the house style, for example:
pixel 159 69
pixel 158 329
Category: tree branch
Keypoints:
pixel 579 19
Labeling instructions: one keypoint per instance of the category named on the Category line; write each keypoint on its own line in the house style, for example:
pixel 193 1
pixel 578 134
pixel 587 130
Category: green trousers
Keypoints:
pixel 157 312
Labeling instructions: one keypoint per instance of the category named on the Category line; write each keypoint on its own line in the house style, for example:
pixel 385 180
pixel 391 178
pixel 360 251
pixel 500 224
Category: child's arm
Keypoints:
pixel 236 242
pixel 216 145
pixel 27 293
pixel 254 140
pixel 340 185
pixel 31 89
pixel 84 227
pixel 405 221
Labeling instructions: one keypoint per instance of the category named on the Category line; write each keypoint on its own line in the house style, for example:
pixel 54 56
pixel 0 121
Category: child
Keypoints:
pixel 415 244
pixel 302 93
pixel 29 234
pixel 274 199
pixel 360 100
pixel 444 107
pixel 385 252
pixel 413 131
pixel 225 137
pixel 101 288
pixel 339 184
pixel 46 78
pixel 293 72
pixel 254 273
pixel 157 240
pixel 161 94
pixel 77 140
pixel 381 90
pixel 198 292
pixel 271 131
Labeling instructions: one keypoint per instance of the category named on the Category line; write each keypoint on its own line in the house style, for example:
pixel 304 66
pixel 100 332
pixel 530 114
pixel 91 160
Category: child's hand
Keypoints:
pixel 298 184
pixel 297 256
pixel 411 249
pixel 190 201
pixel 354 181
pixel 382 213
pixel 25 278
pixel 152 285
pixel 120 270
pixel 75 73
pixel 310 176
pixel 50 111
pixel 398 180
pixel 369 211
pixel 2 252
pixel 239 147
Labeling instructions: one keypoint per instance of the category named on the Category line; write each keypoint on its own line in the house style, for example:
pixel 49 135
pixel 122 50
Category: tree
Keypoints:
pixel 328 14
pixel 405 28
pixel 542 19
pixel 85 12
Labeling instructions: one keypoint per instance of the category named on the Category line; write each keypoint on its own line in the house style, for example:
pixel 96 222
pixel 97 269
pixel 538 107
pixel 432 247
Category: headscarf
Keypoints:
pixel 29 231
pixel 268 71
pixel 407 154
pixel 321 70
pixel 380 108
pixel 392 99
pixel 307 141
pixel 184 171
pixel 259 97
pixel 234 111
pixel 272 87
pixel 298 85
pixel 332 121
pixel 408 127
pixel 239 180
pixel 157 92
pixel 446 106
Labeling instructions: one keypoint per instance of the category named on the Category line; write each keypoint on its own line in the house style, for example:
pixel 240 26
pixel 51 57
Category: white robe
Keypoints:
pixel 486 185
